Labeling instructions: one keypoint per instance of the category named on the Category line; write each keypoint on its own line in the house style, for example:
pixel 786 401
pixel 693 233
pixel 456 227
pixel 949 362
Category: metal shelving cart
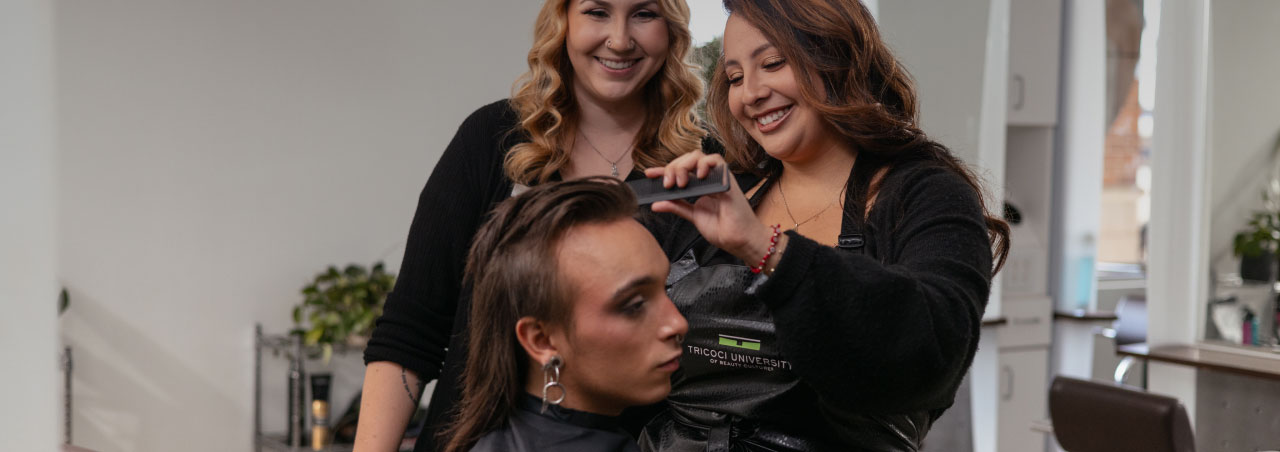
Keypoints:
pixel 291 348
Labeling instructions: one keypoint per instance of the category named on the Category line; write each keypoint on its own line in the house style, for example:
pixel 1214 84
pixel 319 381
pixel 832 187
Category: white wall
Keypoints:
pixel 706 20
pixel 28 285
pixel 944 45
pixel 1244 102
pixel 216 155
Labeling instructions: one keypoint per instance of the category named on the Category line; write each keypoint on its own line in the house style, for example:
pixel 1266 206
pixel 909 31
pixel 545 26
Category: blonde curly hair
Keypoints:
pixel 543 99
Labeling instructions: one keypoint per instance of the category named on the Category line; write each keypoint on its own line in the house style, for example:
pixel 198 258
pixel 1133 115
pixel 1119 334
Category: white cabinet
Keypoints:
pixel 1024 372
pixel 1024 377
pixel 1035 35
pixel 1029 320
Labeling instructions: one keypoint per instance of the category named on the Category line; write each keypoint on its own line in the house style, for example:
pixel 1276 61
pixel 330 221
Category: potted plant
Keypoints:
pixel 341 306
pixel 1256 245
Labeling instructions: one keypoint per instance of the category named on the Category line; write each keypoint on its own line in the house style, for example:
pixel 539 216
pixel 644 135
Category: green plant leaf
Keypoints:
pixel 313 336
pixel 342 301
pixel 367 319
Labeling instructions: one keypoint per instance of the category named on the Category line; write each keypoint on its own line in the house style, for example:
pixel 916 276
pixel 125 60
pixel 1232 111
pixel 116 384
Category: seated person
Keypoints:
pixel 570 322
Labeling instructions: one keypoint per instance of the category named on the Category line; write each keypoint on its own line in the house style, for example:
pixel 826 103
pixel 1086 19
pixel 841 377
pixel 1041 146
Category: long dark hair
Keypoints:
pixel 870 98
pixel 512 269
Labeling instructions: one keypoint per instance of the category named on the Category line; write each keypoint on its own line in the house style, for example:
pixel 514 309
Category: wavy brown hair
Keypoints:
pixel 543 99
pixel 512 268
pixel 870 99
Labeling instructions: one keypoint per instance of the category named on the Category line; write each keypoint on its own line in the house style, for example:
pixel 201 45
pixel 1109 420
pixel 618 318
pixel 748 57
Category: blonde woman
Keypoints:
pixel 608 91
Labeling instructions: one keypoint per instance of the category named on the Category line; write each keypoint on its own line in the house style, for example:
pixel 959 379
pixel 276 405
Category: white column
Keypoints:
pixel 1077 181
pixel 1178 236
pixel 1082 136
pixel 992 125
pixel 984 373
pixel 28 286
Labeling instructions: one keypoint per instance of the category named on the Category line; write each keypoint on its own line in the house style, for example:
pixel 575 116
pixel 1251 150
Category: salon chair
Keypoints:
pixel 1103 417
pixel 1130 328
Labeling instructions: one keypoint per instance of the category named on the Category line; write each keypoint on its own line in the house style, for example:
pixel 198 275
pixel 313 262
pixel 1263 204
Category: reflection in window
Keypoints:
pixel 1126 173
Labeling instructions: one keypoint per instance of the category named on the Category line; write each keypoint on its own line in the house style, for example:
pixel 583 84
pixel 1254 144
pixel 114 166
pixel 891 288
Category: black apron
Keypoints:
pixel 735 391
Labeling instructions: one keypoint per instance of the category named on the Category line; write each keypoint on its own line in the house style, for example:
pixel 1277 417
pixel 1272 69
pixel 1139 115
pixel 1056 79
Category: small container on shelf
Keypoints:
pixel 296 434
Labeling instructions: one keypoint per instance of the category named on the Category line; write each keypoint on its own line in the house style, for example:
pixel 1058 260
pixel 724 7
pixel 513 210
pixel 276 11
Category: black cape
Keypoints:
pixel 558 429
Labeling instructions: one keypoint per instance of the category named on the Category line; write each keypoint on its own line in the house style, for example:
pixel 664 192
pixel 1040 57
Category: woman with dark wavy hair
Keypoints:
pixel 608 90
pixel 836 304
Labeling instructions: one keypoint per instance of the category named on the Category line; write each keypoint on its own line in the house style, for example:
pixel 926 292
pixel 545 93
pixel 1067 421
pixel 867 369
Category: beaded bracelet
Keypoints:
pixel 773 246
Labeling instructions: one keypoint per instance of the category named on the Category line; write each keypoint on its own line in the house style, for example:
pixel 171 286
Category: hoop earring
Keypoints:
pixel 551 378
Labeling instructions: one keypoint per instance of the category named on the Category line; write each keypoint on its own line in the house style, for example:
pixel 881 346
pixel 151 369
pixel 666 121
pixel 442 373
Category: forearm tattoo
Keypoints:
pixel 404 378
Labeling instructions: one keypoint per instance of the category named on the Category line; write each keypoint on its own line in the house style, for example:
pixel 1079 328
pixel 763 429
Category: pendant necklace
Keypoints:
pixel 613 164
pixel 811 218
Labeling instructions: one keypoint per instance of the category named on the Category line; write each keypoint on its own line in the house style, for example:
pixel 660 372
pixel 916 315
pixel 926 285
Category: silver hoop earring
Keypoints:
pixel 551 379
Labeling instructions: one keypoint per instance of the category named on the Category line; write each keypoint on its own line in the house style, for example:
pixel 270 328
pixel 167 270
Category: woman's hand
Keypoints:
pixel 725 219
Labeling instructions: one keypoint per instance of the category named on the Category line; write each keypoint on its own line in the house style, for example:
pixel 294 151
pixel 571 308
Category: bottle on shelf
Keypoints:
pixel 297 410
pixel 320 432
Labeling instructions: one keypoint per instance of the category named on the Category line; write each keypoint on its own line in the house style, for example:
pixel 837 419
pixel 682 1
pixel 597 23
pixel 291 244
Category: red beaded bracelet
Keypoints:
pixel 773 246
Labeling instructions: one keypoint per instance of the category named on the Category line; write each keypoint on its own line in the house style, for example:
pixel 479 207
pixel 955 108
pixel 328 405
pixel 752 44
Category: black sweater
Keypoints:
pixel 891 330
pixel 428 305
pixel 906 315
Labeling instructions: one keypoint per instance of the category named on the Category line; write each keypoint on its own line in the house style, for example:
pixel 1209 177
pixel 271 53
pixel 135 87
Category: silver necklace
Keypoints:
pixel 811 218
pixel 613 164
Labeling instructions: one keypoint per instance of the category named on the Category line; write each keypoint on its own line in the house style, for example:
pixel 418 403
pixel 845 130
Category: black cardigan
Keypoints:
pixel 903 316
pixel 428 305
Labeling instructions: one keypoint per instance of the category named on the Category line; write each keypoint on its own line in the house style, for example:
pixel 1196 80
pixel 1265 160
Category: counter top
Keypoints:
pixel 994 321
pixel 1081 315
pixel 1259 364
